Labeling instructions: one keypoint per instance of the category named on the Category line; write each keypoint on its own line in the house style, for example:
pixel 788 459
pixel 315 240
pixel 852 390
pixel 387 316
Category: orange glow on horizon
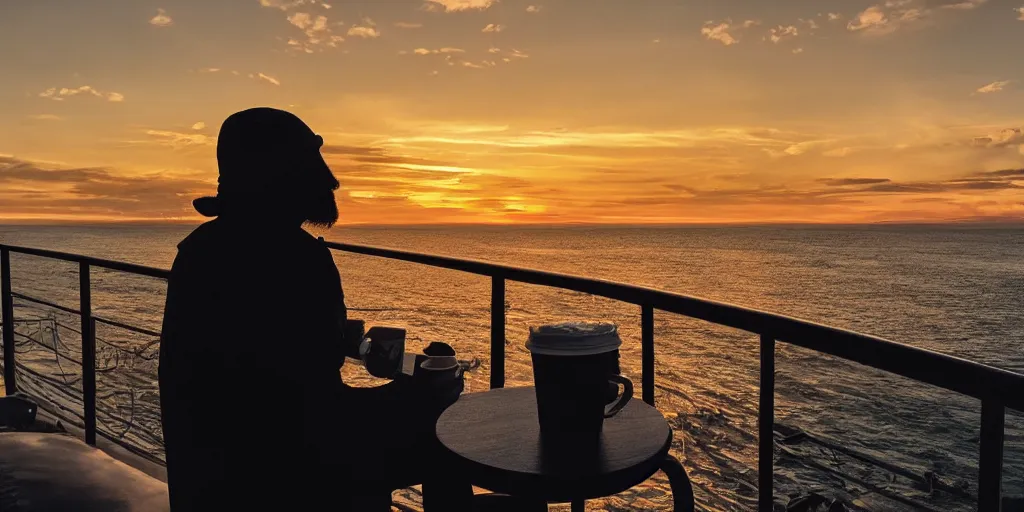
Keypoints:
pixel 430 119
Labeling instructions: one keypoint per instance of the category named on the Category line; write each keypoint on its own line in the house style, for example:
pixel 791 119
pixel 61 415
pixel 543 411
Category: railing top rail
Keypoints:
pixel 942 370
pixel 95 262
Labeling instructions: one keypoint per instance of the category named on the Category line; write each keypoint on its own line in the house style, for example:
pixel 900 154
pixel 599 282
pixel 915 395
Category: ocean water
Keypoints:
pixel 957 290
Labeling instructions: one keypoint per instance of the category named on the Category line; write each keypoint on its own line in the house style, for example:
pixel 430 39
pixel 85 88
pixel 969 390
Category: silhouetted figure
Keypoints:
pixel 255 414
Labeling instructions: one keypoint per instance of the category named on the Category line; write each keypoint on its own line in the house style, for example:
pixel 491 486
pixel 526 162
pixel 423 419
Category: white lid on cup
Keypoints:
pixel 574 339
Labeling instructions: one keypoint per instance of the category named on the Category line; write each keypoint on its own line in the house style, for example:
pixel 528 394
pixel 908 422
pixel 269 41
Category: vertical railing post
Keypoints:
pixel 88 353
pixel 8 311
pixel 497 331
pixel 765 427
pixel 647 352
pixel 990 465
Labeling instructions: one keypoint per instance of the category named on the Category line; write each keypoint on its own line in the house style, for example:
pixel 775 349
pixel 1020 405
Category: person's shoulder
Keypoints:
pixel 316 250
pixel 203 235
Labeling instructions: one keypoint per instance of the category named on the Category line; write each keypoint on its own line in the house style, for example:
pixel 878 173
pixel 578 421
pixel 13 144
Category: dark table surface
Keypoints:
pixel 495 440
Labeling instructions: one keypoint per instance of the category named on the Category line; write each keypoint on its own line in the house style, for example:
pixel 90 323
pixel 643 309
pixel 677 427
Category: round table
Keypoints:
pixel 494 438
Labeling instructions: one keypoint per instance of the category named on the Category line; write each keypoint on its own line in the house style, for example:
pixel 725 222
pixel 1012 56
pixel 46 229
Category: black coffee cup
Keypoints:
pixel 576 374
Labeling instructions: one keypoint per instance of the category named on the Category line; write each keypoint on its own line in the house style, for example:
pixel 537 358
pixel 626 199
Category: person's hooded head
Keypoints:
pixel 271 169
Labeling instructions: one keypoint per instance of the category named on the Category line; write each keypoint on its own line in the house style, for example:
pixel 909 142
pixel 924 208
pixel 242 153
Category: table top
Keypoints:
pixel 495 439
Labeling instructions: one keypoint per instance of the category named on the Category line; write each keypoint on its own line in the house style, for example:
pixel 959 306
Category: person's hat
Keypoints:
pixel 258 150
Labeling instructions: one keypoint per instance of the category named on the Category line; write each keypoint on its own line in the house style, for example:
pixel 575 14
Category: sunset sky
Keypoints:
pixel 612 111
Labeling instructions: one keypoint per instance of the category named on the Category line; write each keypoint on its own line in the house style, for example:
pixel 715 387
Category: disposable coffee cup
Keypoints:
pixel 576 375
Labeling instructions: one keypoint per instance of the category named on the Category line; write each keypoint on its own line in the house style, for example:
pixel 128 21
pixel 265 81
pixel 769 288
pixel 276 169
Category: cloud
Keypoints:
pixel 533 9
pixel 834 16
pixel 779 33
pixel 468 64
pixel 424 51
pixel 30 189
pixel 890 16
pixel 268 78
pixel 797 51
pixel 459 5
pixel 209 70
pixel 199 126
pixel 1020 12
pixel 366 30
pixel 842 182
pixel 285 5
pixel 1003 173
pixel 811 23
pixel 161 19
pixel 517 54
pixel 406 24
pixel 873 19
pixel 751 23
pixel 46 117
pixel 56 94
pixel 994 86
pixel 174 139
pixel 965 5
pixel 491 27
pixel 719 32
pixel 1002 139
pixel 317 30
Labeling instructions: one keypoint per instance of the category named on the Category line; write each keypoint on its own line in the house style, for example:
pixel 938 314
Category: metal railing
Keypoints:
pixel 996 388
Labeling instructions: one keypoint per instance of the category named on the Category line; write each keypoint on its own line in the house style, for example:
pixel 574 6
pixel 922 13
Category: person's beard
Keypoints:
pixel 322 211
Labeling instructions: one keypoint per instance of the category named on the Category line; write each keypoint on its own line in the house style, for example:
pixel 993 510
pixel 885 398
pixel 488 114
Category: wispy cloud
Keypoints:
pixel 161 19
pixel 965 5
pixel 777 34
pixel 719 32
pixel 1020 13
pixel 425 51
pixel 811 23
pixel 93 192
pixel 367 30
pixel 285 5
pixel 871 19
pixel 406 24
pixel 1006 137
pixel 834 16
pixel 46 117
pixel 56 94
pixel 199 126
pixel 491 27
pixel 267 78
pixel 533 9
pixel 844 182
pixel 317 30
pixel 176 139
pixel 364 32
pixel 797 51
pixel 726 32
pixel 209 70
pixel 887 17
pixel 459 5
pixel 994 86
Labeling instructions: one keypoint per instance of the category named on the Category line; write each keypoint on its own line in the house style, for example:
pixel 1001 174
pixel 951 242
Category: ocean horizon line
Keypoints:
pixel 977 223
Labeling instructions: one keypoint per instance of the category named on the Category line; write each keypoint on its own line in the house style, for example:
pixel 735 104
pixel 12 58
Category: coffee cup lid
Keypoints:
pixel 574 339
